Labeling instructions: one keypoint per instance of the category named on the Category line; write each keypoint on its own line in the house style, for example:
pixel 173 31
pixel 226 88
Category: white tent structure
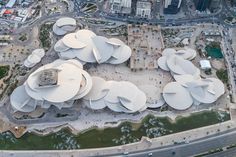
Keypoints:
pixel 205 64
pixel 86 46
pixel 64 25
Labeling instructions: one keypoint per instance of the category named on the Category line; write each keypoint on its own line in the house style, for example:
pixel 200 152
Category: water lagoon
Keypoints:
pixel 214 52
pixel 123 134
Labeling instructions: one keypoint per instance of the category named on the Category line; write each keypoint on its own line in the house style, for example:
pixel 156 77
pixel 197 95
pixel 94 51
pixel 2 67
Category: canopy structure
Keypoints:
pixel 64 25
pixel 87 47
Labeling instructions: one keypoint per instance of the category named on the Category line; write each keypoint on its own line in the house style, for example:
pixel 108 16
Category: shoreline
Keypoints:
pixel 67 126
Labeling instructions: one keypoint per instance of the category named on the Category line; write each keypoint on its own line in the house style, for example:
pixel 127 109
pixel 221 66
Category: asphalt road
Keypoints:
pixel 190 149
pixel 180 150
pixel 215 18
pixel 227 153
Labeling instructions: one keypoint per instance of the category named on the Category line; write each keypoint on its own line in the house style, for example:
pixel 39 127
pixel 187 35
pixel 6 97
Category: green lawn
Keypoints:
pixel 4 71
pixel 222 75
pixel 44 35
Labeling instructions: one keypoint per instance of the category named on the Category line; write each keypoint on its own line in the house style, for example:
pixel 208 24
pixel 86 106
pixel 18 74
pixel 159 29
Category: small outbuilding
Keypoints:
pixel 205 64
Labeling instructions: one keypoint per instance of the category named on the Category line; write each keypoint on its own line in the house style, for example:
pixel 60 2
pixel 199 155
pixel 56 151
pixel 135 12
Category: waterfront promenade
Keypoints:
pixel 183 143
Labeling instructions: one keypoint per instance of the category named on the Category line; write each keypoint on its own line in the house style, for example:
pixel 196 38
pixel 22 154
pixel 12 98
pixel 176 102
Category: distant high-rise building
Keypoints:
pixel 143 9
pixel 121 6
pixel 172 6
pixel 202 5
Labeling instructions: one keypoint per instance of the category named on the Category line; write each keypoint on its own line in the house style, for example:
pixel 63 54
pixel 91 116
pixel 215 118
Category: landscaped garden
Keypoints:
pixel 4 70
pixel 44 35
pixel 222 75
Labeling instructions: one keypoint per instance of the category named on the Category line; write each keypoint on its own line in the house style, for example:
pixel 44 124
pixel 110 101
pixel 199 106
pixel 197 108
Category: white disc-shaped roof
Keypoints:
pixel 39 52
pixel 184 54
pixel 29 108
pixel 117 107
pixel 32 93
pixel 206 91
pixel 102 50
pixel 31 105
pixel 96 105
pixel 197 74
pixel 88 47
pixel 86 54
pixel 82 34
pixel 65 21
pixel 69 54
pixel 168 52
pixel 162 63
pixel 33 58
pixel 60 46
pixel 181 66
pixel 136 103
pixel 183 79
pixel 217 86
pixel 70 41
pixel 68 28
pixel 69 79
pixel 120 55
pixel 128 91
pixel 76 63
pixel 192 52
pixel 57 30
pixel 98 90
pixel 46 105
pixel 28 64
pixel 19 99
pixel 86 87
pixel 114 91
pixel 55 64
pixel 125 90
pixel 177 96
pixel 199 91
pixel 115 42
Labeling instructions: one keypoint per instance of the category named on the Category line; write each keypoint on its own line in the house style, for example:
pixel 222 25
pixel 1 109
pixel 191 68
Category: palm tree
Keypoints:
pixel 14 57
pixel 4 56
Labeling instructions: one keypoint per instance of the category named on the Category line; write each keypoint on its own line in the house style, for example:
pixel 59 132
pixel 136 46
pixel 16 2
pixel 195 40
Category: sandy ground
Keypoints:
pixel 149 81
